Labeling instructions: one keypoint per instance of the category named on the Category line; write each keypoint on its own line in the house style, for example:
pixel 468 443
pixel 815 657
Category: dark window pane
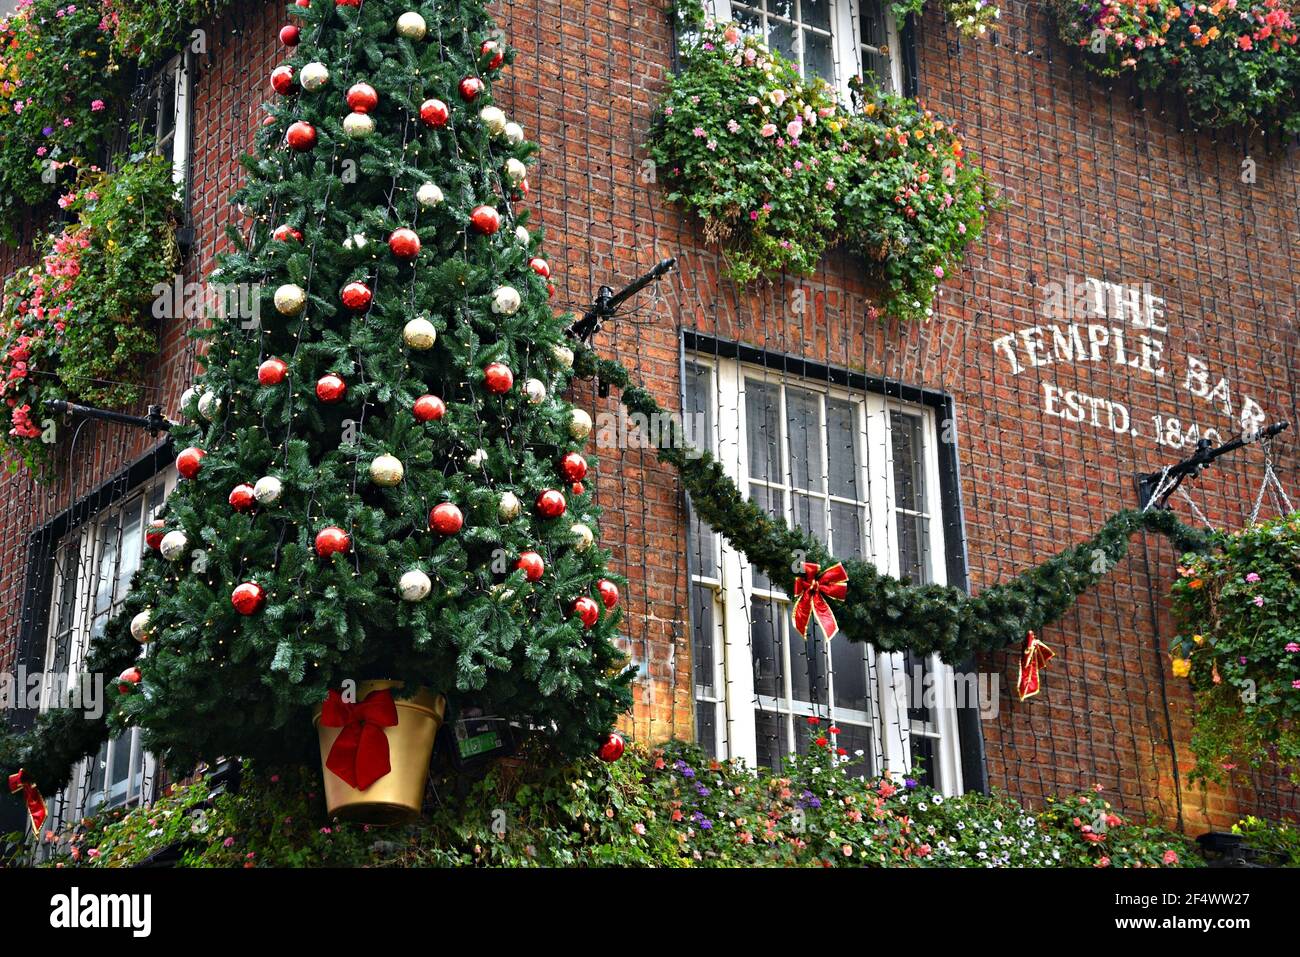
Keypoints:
pixel 909 464
pixel 848 659
pixel 803 429
pixel 770 738
pixel 763 430
pixel 818 57
pixel 810 515
pixel 842 449
pixel 704 631
pixel 816 13
pixel 920 691
pixel 923 763
pixel 808 665
pixel 846 530
pixel 706 728
pixel 765 640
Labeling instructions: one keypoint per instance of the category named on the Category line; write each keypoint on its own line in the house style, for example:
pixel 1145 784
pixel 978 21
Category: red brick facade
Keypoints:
pixel 1095 183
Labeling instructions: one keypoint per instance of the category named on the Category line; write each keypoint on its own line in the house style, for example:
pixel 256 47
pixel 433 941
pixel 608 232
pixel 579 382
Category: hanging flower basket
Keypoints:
pixel 1238 643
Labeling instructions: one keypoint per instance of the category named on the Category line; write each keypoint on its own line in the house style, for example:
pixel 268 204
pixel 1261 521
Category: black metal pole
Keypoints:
pixel 1200 459
pixel 608 301
pixel 155 421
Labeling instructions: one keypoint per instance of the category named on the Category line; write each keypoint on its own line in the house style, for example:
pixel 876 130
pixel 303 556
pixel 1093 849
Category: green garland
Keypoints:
pixel 894 614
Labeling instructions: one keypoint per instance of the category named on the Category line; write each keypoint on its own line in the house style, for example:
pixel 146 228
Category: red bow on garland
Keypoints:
pixel 811 592
pixel 1033 656
pixel 19 781
pixel 359 754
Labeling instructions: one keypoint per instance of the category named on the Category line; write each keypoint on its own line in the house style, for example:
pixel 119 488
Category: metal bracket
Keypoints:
pixel 1202 458
pixel 155 421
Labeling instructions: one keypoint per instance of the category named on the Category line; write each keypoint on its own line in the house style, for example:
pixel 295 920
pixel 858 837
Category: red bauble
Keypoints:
pixel 241 498
pixel 611 748
pixel 289 35
pixel 332 540
pixel 491 51
pixel 362 98
pixel 550 290
pixel 347 3
pixel 540 266
pixel 330 388
pixel 404 244
pixel 128 679
pixel 429 408
pixel 577 488
pixel 551 503
pixel 485 220
pixel 608 592
pixel 285 233
pixel 498 378
pixel 356 296
pixel 282 79
pixel 153 535
pixel 301 136
pixel 573 467
pixel 189 462
pixel 446 519
pixel 248 598
pixel 470 88
pixel 532 565
pixel 435 113
pixel 587 611
pixel 302 3
pixel 272 371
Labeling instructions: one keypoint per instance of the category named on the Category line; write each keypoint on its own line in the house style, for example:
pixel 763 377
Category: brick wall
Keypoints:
pixel 1096 182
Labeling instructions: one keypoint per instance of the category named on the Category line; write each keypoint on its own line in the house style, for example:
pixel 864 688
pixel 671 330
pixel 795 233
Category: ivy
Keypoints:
pixel 74 326
pixel 778 171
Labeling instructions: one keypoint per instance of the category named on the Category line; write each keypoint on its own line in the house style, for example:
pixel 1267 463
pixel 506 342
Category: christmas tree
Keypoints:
pixel 379 477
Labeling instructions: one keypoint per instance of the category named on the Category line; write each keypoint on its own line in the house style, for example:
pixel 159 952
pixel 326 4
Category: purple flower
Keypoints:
pixel 48 131
pixel 1259 601
pixel 909 782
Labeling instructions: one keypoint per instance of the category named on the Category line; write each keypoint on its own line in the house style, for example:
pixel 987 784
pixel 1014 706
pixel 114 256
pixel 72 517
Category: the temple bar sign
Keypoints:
pixel 1124 324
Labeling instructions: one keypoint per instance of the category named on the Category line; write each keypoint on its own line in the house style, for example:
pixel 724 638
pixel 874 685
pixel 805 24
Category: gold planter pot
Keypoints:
pixel 397 796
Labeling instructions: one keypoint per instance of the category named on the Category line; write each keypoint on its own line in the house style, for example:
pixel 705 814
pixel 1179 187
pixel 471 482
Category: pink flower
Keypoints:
pixel 698 132
pixel 1259 601
pixel 96 105
pixel 794 128
pixel 227 842
pixel 1170 857
pixel 769 129
pixel 1102 862
pixel 1252 577
pixel 1293 646
pixel 1296 684
pixel 938 272
pixel 733 126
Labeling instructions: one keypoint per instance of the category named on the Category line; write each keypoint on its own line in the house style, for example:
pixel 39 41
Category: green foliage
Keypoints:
pixel 148 31
pixel 1237 608
pixel 666 807
pixel 74 326
pixel 893 614
pixel 777 171
pixel 217 682
pixel 1233 64
pixel 60 88
pixel 1273 842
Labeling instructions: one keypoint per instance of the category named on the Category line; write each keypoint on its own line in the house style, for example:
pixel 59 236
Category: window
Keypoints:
pixel 160 112
pixel 860 473
pixel 92 568
pixel 833 39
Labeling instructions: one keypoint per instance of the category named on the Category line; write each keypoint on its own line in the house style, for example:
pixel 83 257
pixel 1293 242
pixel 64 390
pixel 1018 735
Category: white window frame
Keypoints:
pixel 846 40
pixel 74 801
pixel 733 594
pixel 175 144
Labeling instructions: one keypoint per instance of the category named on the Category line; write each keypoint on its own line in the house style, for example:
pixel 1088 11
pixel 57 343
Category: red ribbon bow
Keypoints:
pixel 19 781
pixel 1033 656
pixel 359 754
pixel 811 592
